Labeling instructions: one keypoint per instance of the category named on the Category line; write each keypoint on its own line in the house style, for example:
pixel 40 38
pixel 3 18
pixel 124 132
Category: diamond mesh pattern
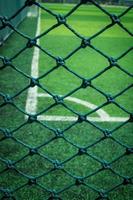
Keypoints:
pixel 56 165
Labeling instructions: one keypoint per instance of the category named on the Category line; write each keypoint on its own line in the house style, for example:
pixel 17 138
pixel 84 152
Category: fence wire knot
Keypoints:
pixel 60 133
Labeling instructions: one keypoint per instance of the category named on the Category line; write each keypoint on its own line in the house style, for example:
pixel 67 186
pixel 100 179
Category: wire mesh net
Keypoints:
pixel 33 118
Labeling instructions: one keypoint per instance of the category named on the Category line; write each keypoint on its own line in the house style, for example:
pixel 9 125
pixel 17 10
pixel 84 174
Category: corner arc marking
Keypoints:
pixel 102 114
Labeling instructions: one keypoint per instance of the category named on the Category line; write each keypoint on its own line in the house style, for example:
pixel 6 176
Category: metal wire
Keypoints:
pixel 61 62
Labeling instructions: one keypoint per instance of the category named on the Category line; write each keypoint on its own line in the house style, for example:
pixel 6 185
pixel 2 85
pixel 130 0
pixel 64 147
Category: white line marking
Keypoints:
pixel 102 114
pixel 31 102
pixel 70 119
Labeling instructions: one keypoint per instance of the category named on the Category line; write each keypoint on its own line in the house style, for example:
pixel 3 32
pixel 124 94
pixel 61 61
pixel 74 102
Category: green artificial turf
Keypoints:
pixel 86 62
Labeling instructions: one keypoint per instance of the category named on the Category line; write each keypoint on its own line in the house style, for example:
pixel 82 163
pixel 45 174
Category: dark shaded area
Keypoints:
pixel 7 9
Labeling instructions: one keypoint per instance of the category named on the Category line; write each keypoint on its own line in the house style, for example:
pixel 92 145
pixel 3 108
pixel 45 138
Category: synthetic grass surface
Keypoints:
pixel 87 20
pixel 86 63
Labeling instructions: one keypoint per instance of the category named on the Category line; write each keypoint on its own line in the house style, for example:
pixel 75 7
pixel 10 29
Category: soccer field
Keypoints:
pixel 80 145
pixel 86 62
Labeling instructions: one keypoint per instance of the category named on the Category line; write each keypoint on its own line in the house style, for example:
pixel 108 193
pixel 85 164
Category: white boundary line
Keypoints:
pixel 102 114
pixel 70 119
pixel 31 102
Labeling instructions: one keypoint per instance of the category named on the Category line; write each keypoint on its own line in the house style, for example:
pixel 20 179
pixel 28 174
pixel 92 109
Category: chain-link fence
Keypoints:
pixel 7 11
pixel 109 2
pixel 7 99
